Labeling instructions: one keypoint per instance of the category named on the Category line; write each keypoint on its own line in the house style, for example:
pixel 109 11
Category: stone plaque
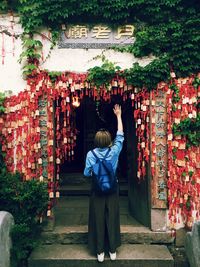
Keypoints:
pixel 97 36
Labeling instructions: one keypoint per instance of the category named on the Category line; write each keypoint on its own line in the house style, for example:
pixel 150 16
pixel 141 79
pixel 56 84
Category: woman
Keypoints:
pixel 104 221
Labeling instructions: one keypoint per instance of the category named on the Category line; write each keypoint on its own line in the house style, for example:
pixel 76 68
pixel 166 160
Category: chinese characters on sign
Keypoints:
pixel 99 36
pixel 159 148
pixel 42 103
pixel 161 145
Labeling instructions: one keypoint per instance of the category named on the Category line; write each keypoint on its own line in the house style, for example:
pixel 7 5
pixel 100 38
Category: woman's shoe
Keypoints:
pixel 113 256
pixel 100 257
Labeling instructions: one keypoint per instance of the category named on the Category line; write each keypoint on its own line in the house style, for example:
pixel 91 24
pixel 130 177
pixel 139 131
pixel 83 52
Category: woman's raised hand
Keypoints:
pixel 117 110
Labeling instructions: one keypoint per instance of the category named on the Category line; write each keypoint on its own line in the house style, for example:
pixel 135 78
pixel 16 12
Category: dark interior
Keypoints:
pixel 90 119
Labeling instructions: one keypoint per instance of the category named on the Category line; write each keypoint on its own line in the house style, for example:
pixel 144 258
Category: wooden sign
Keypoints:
pixel 159 135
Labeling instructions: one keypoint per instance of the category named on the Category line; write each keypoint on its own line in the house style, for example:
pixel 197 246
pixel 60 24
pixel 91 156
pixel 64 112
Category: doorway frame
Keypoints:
pixel 157 217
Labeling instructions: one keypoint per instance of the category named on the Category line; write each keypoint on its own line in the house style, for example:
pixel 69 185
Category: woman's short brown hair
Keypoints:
pixel 102 139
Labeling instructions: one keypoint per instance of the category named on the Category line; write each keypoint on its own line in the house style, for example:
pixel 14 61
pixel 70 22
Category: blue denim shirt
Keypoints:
pixel 113 155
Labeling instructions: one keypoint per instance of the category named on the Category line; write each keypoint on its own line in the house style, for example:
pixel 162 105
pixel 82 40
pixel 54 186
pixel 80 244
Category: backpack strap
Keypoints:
pixel 94 154
pixel 103 157
pixel 107 153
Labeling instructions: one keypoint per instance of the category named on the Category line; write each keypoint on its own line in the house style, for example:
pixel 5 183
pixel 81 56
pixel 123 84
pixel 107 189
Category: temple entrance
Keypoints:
pixel 88 119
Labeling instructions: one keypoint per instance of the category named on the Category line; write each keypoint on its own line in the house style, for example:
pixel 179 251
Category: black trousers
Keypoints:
pixel 104 223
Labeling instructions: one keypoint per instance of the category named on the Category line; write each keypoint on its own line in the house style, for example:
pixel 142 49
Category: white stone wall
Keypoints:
pixel 76 60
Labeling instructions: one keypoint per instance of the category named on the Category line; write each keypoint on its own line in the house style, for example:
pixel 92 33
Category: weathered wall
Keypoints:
pixel 76 60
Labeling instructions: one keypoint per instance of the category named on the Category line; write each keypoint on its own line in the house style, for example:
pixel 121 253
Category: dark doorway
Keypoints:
pixel 89 118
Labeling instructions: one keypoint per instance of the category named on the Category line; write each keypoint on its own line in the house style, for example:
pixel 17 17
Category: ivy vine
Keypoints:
pixel 102 75
pixel 31 54
pixel 167 29
pixel 175 96
pixel 2 98
pixel 150 75
pixel 53 75
pixel 190 128
pixel 196 82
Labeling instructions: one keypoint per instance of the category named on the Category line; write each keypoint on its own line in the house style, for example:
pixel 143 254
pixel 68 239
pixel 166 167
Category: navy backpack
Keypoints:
pixel 104 179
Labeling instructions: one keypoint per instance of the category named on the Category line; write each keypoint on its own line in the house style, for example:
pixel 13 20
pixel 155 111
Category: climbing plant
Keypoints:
pixel 2 98
pixel 102 75
pixel 30 55
pixel 190 128
pixel 167 29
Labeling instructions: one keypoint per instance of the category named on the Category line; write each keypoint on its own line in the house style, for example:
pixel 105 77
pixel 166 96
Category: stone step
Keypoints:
pixel 73 178
pixel 77 234
pixel 71 219
pixel 79 178
pixel 78 255
pixel 84 190
pixel 73 210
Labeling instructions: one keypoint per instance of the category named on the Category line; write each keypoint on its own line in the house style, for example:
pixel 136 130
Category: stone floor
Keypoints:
pixel 73 210
pixel 76 255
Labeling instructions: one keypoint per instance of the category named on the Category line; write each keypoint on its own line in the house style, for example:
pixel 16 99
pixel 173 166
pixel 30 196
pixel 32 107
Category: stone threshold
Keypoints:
pixel 129 235
pixel 76 255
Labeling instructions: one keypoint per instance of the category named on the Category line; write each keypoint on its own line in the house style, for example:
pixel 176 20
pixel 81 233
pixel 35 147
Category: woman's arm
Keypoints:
pixel 119 139
pixel 118 112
